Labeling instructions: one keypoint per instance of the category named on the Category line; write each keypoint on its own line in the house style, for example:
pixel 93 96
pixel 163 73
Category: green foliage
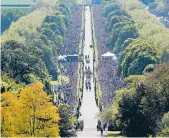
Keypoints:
pixel 137 56
pixel 164 130
pixel 52 33
pixel 148 26
pixel 141 105
pixel 165 55
pixel 111 7
pixel 119 26
pixel 26 27
pixel 158 7
pixel 9 84
pixel 8 16
pixel 32 43
pixel 67 121
pixel 149 68
pixel 106 115
pixel 126 32
pixel 115 19
pixel 19 60
pixel 147 1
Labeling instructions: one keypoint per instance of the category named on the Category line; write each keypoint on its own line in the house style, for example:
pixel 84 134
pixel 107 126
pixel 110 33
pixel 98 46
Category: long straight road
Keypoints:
pixel 89 109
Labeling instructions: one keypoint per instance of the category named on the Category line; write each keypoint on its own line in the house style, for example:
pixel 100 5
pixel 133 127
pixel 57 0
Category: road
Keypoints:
pixel 89 109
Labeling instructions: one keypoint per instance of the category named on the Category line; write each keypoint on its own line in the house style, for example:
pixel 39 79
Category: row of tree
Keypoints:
pixel 119 26
pixel 137 56
pixel 31 45
pixel 29 50
pixel 31 113
pixel 149 27
pixel 134 53
pixel 142 107
pixel 159 8
pixel 8 16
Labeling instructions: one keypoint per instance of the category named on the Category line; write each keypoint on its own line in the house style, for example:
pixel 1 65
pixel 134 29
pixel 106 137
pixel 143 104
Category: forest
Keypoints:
pixel 30 45
pixel 45 95
pixel 141 41
pixel 158 7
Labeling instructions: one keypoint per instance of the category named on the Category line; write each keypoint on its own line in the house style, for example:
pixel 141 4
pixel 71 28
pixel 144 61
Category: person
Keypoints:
pixel 104 126
pixel 101 131
pixel 98 125
pixel 81 125
pixel 80 113
pixel 77 125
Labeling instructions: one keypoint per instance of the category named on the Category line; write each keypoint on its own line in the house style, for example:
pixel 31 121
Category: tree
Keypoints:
pixel 164 130
pixel 115 19
pixel 109 8
pixel 120 26
pixel 126 32
pixel 9 84
pixel 141 105
pixel 106 116
pixel 39 116
pixel 137 56
pixel 114 34
pixel 118 12
pixel 19 60
pixel 66 122
pixel 149 28
pixel 9 16
pixel 8 101
pixel 31 115
pixel 31 44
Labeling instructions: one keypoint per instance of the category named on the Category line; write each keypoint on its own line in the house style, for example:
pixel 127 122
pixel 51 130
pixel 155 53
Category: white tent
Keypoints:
pixel 61 57
pixel 109 55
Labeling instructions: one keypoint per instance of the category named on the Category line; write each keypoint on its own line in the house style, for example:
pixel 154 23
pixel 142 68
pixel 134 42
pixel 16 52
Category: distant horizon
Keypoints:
pixel 14 3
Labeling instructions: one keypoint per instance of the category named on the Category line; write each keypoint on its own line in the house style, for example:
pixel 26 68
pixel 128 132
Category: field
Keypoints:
pixel 26 10
pixel 16 2
pixel 22 5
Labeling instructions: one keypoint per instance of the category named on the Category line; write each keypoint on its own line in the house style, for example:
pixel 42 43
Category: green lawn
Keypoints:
pixel 112 134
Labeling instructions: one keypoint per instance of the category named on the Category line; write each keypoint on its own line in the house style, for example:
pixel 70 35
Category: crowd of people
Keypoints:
pixel 67 93
pixel 107 69
pixel 71 42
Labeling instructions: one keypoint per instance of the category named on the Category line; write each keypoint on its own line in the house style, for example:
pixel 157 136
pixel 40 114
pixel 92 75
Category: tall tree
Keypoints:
pixel 137 56
pixel 31 115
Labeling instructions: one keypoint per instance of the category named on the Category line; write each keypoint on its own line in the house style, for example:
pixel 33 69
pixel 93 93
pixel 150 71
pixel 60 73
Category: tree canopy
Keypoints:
pixel 8 16
pixel 31 44
pixel 137 56
pixel 32 114
pixel 141 106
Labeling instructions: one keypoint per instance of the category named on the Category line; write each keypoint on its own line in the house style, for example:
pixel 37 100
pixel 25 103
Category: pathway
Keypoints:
pixel 89 109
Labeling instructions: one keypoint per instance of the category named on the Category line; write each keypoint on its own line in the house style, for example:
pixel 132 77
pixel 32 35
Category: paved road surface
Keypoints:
pixel 89 110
